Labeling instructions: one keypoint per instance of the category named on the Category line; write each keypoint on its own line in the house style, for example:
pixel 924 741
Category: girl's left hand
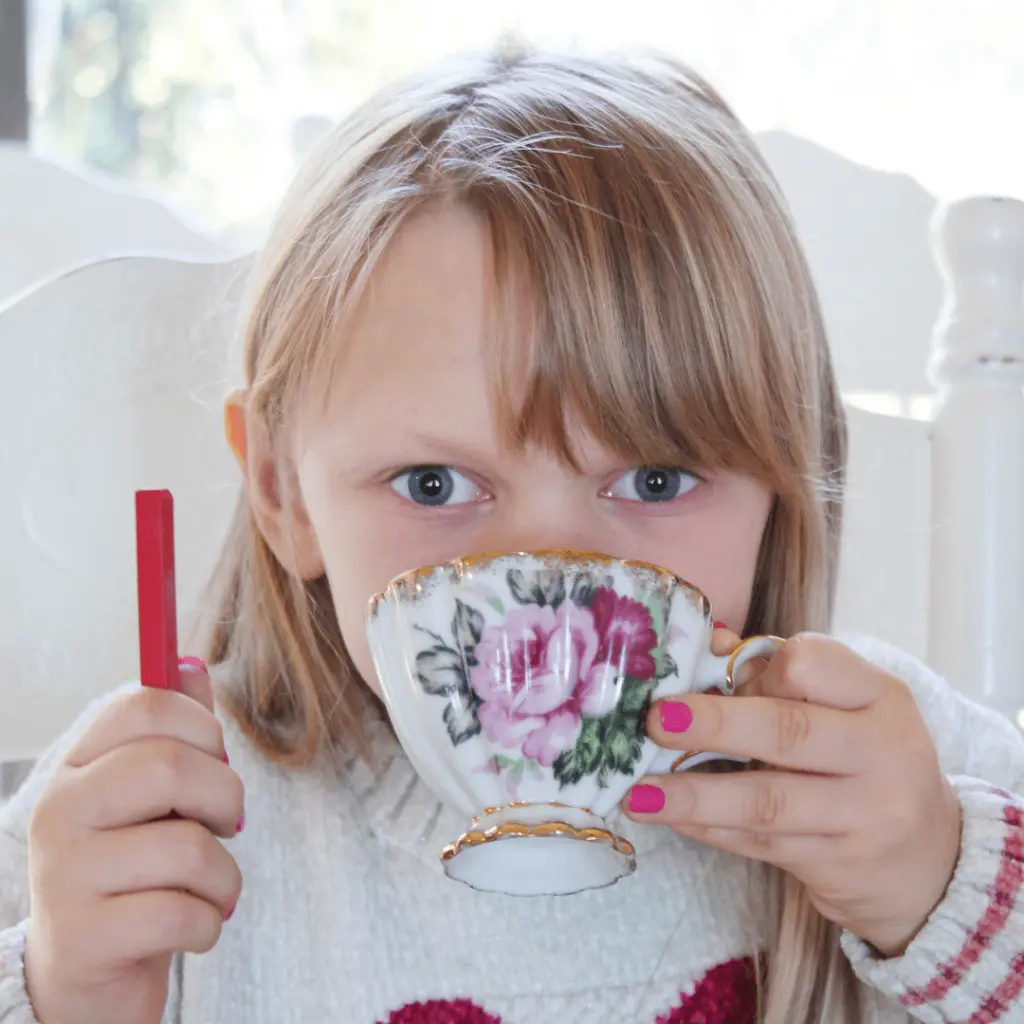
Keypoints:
pixel 852 801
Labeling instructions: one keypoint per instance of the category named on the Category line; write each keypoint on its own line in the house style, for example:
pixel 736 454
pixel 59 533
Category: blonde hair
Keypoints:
pixel 673 317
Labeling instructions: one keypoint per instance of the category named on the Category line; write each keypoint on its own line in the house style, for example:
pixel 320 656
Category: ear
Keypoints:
pixel 234 425
pixel 273 491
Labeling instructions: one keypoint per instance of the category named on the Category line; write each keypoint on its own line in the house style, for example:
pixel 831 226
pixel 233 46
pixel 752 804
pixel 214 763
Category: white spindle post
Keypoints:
pixel 976 616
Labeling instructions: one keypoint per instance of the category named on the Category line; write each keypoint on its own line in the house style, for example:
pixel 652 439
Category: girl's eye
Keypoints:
pixel 436 486
pixel 652 483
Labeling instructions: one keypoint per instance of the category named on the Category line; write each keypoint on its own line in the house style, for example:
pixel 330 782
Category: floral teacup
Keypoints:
pixel 518 686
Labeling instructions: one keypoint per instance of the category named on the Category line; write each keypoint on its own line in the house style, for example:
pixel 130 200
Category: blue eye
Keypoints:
pixel 652 484
pixel 436 486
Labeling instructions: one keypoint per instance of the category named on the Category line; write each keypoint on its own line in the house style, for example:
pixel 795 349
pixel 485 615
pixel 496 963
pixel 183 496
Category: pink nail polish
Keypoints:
pixel 675 716
pixel 719 625
pixel 241 824
pixel 230 913
pixel 197 663
pixel 225 759
pixel 646 799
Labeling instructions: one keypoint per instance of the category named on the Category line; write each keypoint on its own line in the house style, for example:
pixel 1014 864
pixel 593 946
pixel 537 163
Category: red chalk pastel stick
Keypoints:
pixel 158 616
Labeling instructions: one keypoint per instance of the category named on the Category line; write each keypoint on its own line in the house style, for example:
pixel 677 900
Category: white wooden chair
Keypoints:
pixel 115 375
pixel 115 379
pixel 866 234
pixel 933 554
pixel 53 219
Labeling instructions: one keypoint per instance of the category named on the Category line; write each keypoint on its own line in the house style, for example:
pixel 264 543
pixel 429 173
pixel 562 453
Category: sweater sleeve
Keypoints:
pixel 967 962
pixel 15 1007
pixel 15 815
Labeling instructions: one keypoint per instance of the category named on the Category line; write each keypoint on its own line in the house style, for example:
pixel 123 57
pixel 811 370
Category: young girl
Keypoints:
pixel 515 303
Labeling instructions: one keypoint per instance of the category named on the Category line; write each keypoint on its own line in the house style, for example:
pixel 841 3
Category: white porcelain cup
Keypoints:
pixel 518 685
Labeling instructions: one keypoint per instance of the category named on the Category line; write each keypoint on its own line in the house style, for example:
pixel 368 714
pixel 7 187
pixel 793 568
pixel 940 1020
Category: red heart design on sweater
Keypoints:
pixel 727 994
pixel 442 1011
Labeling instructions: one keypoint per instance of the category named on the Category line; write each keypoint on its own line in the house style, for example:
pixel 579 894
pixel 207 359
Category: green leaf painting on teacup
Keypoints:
pixel 443 671
pixel 544 587
pixel 561 682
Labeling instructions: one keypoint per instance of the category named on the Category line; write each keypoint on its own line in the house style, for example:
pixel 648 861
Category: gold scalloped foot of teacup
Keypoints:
pixel 539 858
pixel 518 830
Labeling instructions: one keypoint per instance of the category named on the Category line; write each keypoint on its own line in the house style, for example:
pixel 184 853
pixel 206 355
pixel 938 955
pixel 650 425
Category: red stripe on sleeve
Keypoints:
pixel 1003 898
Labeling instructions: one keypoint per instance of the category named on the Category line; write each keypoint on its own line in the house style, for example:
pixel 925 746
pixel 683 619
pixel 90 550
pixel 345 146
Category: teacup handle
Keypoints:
pixel 720 670
pixel 716 670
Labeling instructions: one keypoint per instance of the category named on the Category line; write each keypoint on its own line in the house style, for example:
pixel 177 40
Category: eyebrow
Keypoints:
pixel 468 452
pixel 448 449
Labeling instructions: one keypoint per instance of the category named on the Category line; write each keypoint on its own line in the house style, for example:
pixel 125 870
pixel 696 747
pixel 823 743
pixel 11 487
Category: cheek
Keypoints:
pixel 359 557
pixel 351 613
pixel 717 550
pixel 725 572
pixel 360 563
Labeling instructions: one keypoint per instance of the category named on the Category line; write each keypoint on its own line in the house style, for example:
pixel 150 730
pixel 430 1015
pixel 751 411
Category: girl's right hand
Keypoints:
pixel 124 862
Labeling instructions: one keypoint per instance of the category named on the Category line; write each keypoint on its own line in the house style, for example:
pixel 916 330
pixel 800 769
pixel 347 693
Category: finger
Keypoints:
pixel 763 801
pixel 194 681
pixel 149 779
pixel 784 733
pixel 143 925
pixel 823 671
pixel 174 854
pixel 149 713
pixel 723 640
pixel 789 852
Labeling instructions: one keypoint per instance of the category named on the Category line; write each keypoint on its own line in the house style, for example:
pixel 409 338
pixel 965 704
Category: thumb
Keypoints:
pixel 195 682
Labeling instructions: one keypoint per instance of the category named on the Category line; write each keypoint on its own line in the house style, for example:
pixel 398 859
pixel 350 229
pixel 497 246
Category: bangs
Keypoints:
pixel 624 305
pixel 647 288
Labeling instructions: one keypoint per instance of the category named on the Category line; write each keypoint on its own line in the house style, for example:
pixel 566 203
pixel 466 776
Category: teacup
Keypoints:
pixel 518 686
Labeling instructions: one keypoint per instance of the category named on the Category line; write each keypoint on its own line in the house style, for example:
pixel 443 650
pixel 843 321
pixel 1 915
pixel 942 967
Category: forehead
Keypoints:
pixel 416 338
pixel 422 315
pixel 415 359
pixel 426 299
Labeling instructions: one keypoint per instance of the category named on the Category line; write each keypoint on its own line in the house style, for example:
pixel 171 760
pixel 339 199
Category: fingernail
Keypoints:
pixel 675 716
pixel 241 824
pixel 225 759
pixel 719 625
pixel 195 663
pixel 646 799
pixel 228 915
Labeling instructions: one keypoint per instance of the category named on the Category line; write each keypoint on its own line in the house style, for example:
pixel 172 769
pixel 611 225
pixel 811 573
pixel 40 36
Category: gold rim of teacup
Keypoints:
pixel 518 805
pixel 545 829
pixel 576 555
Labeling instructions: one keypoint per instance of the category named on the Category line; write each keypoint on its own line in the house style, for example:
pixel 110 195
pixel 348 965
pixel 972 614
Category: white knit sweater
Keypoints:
pixel 346 917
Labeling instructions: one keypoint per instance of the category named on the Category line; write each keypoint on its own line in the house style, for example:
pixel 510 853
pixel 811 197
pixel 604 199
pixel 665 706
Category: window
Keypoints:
pixel 208 103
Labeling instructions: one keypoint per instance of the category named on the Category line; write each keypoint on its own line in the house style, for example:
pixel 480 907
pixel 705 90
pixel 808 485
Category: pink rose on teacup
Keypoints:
pixel 541 670
pixel 627 634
